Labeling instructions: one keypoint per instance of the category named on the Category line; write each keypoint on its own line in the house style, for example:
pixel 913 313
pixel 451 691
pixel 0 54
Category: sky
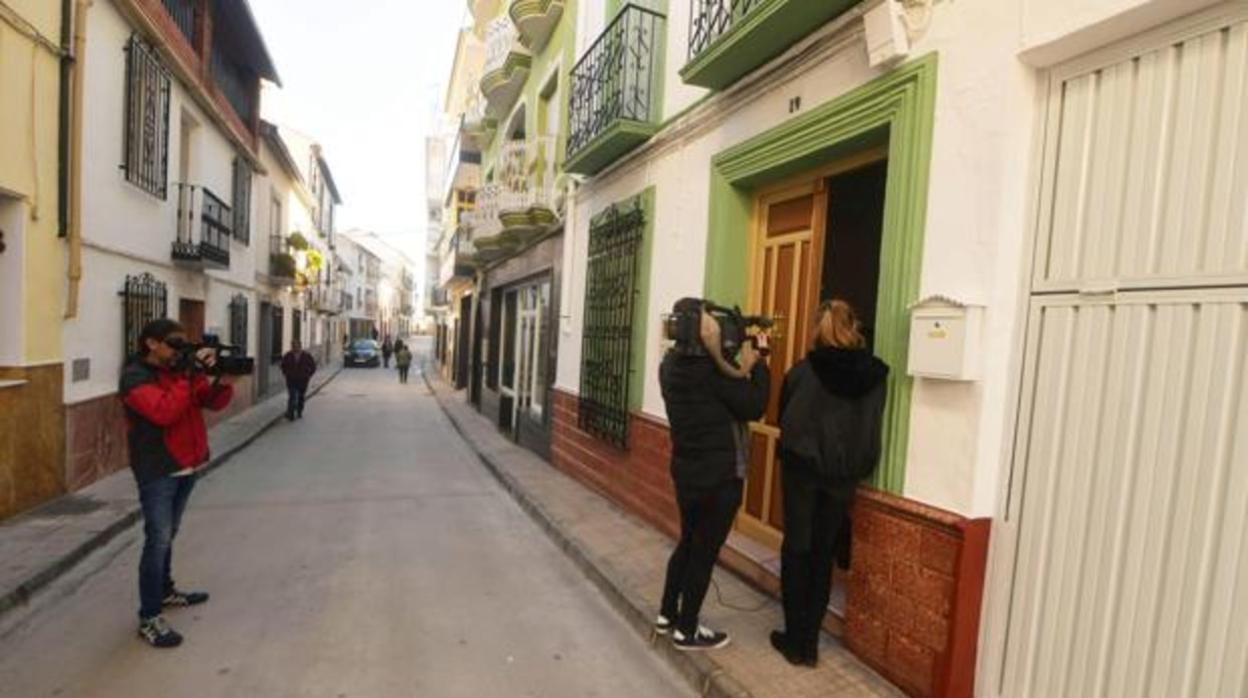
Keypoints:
pixel 365 79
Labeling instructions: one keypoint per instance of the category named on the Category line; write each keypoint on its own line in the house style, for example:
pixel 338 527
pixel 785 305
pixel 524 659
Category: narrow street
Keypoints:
pixel 362 552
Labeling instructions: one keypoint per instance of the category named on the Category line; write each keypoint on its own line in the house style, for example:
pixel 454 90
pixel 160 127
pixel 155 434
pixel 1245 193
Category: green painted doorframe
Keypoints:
pixel 898 108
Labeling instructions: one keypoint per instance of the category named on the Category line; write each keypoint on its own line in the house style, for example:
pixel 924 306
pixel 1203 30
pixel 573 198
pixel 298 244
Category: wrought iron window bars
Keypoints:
pixel 146 163
pixel 143 299
pixel 615 238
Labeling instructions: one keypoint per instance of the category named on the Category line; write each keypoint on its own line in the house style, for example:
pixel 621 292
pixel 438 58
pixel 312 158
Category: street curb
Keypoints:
pixel 25 591
pixel 707 675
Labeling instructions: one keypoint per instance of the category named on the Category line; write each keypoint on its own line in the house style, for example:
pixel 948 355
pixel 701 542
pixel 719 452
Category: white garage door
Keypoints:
pixel 1128 505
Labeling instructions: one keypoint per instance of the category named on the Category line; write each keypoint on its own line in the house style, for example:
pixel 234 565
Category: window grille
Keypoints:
pixel 143 299
pixel 279 320
pixel 242 201
pixel 238 321
pixel 215 221
pixel 147 120
pixel 610 291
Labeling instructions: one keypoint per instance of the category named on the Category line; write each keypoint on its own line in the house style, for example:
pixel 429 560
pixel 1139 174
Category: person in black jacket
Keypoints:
pixel 708 410
pixel 831 410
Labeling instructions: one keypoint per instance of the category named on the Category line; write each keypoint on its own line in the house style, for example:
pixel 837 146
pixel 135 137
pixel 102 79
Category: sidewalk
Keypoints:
pixel 627 559
pixel 40 545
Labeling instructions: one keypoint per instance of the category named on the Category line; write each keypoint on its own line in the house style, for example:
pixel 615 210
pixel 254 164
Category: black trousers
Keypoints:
pixel 706 517
pixel 403 373
pixel 812 521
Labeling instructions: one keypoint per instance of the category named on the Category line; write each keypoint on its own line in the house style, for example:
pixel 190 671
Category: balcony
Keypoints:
pixel 325 299
pixel 460 261
pixel 203 229
pixel 485 227
pixel 730 38
pixel 477 127
pixel 183 14
pixel 614 97
pixel 282 264
pixel 536 20
pixel 527 196
pixel 507 67
pixel 463 168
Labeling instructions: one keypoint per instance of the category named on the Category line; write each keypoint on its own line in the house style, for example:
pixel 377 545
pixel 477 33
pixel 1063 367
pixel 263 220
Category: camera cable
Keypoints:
pixel 719 596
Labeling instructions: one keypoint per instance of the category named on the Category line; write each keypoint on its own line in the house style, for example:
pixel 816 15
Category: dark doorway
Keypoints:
pixel 191 315
pixel 266 348
pixel 462 342
pixel 855 226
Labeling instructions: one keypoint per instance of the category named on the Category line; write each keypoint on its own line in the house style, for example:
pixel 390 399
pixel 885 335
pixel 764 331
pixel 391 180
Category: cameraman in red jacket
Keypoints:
pixel 164 401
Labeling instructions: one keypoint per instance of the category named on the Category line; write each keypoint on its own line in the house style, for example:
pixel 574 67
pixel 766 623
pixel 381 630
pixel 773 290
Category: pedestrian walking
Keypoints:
pixel 403 360
pixel 831 411
pixel 298 367
pixel 387 350
pixel 164 393
pixel 708 411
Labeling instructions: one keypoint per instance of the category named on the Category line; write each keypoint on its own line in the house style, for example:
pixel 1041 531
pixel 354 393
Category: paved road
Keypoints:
pixel 360 553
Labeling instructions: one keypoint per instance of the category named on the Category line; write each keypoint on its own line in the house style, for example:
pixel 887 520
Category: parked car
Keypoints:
pixel 363 352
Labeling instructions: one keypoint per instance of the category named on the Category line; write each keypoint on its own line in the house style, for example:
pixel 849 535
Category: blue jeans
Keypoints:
pixel 163 502
pixel 296 395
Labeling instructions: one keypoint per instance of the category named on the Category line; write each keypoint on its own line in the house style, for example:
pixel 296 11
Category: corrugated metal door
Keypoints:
pixel 1128 495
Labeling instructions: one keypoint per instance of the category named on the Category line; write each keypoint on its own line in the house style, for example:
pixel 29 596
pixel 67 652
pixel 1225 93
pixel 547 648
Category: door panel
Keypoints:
pixel 1121 559
pixel 784 267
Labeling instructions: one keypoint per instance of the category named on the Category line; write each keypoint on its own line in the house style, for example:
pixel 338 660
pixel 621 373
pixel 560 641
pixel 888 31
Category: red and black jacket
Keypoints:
pixel 167 432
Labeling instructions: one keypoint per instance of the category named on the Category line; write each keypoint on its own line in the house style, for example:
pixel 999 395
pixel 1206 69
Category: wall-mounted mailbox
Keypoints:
pixel 945 337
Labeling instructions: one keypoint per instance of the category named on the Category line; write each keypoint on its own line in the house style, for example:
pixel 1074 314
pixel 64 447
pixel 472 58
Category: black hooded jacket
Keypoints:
pixel 831 414
pixel 707 412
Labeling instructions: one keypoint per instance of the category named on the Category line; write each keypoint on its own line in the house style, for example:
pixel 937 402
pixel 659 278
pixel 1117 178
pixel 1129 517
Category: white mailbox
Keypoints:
pixel 945 338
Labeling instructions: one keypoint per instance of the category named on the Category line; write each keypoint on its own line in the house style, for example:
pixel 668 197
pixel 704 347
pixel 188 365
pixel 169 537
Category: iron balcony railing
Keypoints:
pixel 527 174
pixel 200 210
pixel 714 18
pixel 500 38
pixel 183 14
pixel 616 78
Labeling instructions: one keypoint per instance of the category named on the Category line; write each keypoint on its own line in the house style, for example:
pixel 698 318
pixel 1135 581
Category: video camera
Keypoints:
pixel 684 327
pixel 230 358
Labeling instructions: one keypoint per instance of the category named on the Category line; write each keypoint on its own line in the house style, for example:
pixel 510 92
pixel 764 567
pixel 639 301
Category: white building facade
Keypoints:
pixel 170 125
pixel 1064 172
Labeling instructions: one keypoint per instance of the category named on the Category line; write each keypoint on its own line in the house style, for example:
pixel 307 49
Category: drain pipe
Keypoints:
pixel 74 230
pixel 62 139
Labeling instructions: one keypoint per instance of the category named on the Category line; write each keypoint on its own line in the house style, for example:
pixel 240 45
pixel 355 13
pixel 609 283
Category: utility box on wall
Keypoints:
pixel 945 338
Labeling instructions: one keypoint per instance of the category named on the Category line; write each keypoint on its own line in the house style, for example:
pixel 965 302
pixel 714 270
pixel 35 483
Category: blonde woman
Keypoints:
pixel 831 409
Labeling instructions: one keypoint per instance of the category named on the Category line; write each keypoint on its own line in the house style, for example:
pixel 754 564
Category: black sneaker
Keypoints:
pixel 157 633
pixel 662 625
pixel 179 599
pixel 703 639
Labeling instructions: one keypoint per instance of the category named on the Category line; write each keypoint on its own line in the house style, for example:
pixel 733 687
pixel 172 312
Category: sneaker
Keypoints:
pixel 157 633
pixel 662 625
pixel 703 639
pixel 177 598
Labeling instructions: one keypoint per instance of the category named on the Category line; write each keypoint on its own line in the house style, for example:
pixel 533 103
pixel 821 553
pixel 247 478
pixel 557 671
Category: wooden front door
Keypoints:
pixel 784 284
pixel 191 315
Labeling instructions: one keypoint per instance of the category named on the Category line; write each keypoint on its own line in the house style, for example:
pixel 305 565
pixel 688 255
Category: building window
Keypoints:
pixel 238 322
pixel 615 238
pixel 275 340
pixel 143 299
pixel 242 201
pixel 147 120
